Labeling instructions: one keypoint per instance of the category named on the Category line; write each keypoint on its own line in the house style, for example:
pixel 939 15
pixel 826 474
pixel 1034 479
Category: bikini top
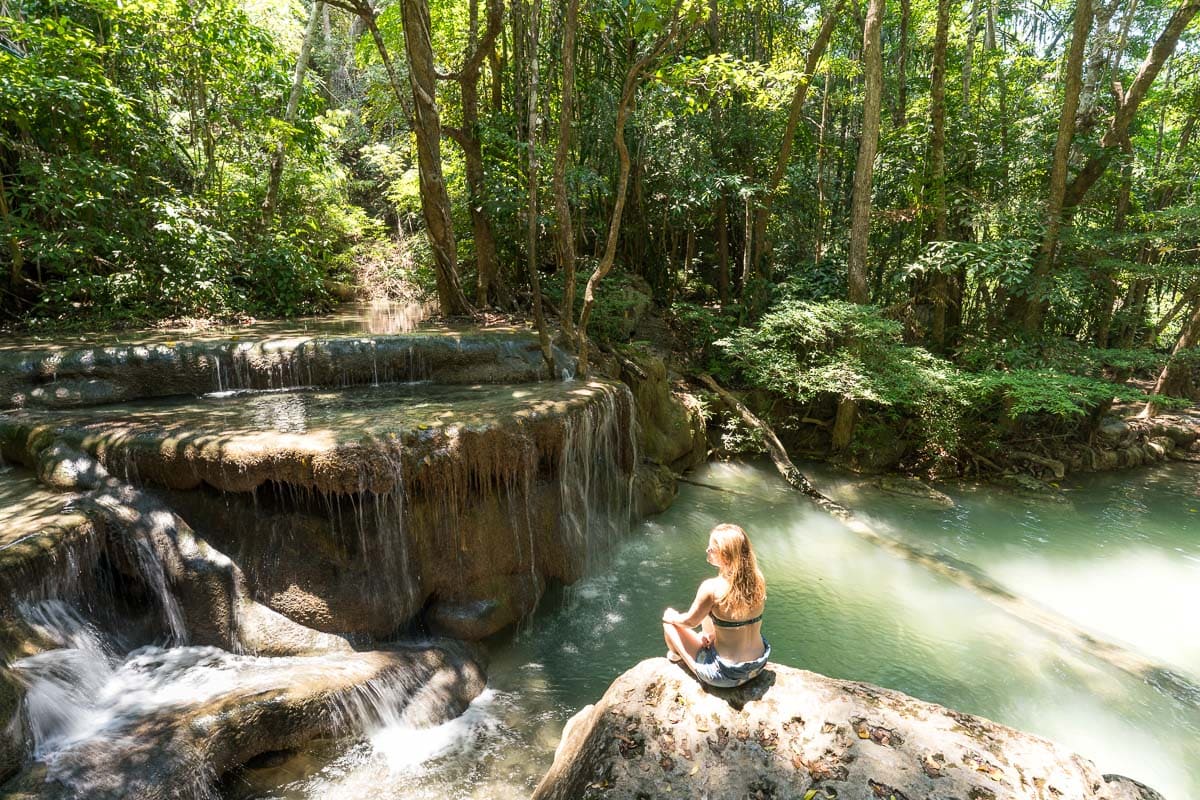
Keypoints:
pixel 725 623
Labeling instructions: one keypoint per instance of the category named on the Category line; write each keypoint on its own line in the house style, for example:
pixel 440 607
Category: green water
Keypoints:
pixel 1121 557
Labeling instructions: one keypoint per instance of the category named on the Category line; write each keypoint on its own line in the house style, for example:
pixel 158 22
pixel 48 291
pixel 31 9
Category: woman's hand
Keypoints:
pixel 672 617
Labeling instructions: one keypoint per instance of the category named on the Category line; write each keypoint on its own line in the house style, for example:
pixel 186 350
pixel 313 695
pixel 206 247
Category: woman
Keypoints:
pixel 730 649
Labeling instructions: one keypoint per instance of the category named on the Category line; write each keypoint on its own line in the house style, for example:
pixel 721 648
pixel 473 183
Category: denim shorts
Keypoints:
pixel 716 671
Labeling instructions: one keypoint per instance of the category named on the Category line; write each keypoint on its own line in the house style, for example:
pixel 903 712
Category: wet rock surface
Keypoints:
pixel 658 733
pixel 73 376
pixel 238 708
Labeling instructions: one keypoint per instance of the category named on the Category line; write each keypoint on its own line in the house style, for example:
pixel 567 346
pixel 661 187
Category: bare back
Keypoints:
pixel 742 643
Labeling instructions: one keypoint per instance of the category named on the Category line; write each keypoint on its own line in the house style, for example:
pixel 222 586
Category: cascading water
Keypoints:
pixel 554 462
pixel 596 468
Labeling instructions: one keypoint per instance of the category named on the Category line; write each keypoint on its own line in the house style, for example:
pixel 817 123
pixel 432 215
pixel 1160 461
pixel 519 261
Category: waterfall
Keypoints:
pixel 596 468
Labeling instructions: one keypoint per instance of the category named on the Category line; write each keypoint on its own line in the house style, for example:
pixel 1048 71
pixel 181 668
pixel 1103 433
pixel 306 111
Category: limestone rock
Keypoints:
pixel 278 704
pixel 484 607
pixel 57 377
pixel 912 487
pixel 658 733
pixel 1114 431
pixel 654 489
pixel 670 423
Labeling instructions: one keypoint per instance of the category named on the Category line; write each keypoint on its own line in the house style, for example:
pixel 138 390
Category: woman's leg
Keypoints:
pixel 683 641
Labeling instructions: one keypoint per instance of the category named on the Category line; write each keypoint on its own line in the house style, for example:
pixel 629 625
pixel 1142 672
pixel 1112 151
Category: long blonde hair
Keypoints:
pixel 739 567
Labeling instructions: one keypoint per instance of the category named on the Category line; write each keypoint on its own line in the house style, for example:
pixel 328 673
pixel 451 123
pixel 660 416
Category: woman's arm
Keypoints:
pixel 699 610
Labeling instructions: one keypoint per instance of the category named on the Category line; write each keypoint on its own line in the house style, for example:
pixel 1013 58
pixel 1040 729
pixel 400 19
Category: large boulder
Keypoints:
pixel 658 733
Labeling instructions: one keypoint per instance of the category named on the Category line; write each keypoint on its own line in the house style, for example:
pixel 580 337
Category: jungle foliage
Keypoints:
pixel 1033 208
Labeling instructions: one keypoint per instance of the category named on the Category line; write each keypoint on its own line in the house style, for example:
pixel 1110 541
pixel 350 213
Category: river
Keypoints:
pixel 1120 556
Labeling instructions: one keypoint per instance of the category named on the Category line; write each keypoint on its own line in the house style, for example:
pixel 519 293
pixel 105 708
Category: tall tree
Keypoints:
pixel 762 213
pixel 629 90
pixel 531 226
pixel 435 201
pixel 900 112
pixel 289 115
pixel 1128 102
pixel 1033 304
pixel 860 203
pixel 564 230
pixel 938 283
pixel 490 283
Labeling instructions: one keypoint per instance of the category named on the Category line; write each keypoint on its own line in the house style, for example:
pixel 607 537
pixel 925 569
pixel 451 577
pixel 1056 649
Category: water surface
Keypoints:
pixel 1121 556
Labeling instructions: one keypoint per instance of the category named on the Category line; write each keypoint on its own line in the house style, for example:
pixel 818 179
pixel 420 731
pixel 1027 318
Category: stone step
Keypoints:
pixel 352 510
pixel 37 528
pixel 345 441
pixel 89 375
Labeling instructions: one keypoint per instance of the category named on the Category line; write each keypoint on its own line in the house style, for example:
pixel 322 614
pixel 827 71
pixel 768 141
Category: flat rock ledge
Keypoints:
pixel 657 733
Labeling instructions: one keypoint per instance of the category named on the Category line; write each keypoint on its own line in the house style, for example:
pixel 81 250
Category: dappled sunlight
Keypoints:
pixel 26 506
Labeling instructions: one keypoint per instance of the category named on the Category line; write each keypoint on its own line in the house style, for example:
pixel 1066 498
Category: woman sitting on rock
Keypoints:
pixel 730 649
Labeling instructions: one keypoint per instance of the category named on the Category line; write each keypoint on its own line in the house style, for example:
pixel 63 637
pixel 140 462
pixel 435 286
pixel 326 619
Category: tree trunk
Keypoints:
pixel 16 270
pixel 900 114
pixel 860 204
pixel 938 284
pixel 1106 276
pixel 843 423
pixel 435 202
pixel 1174 372
pixel 763 211
pixel 1118 127
pixel 633 79
pixel 969 56
pixel 489 282
pixel 721 204
pixel 1035 304
pixel 721 223
pixel 819 227
pixel 565 233
pixel 531 229
pixel 289 116
pixel 1097 63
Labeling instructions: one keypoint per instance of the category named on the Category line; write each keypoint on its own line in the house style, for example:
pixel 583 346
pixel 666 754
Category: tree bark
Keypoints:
pixel 900 114
pixel 969 56
pixel 1034 304
pixel 489 281
pixel 860 204
pixel 289 115
pixel 633 79
pixel 762 213
pixel 16 270
pixel 565 233
pixel 531 230
pixel 1118 127
pixel 819 227
pixel 1174 373
pixel 435 201
pixel 721 204
pixel 938 284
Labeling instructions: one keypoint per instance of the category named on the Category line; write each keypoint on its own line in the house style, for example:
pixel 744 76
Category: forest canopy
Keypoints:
pixel 912 205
